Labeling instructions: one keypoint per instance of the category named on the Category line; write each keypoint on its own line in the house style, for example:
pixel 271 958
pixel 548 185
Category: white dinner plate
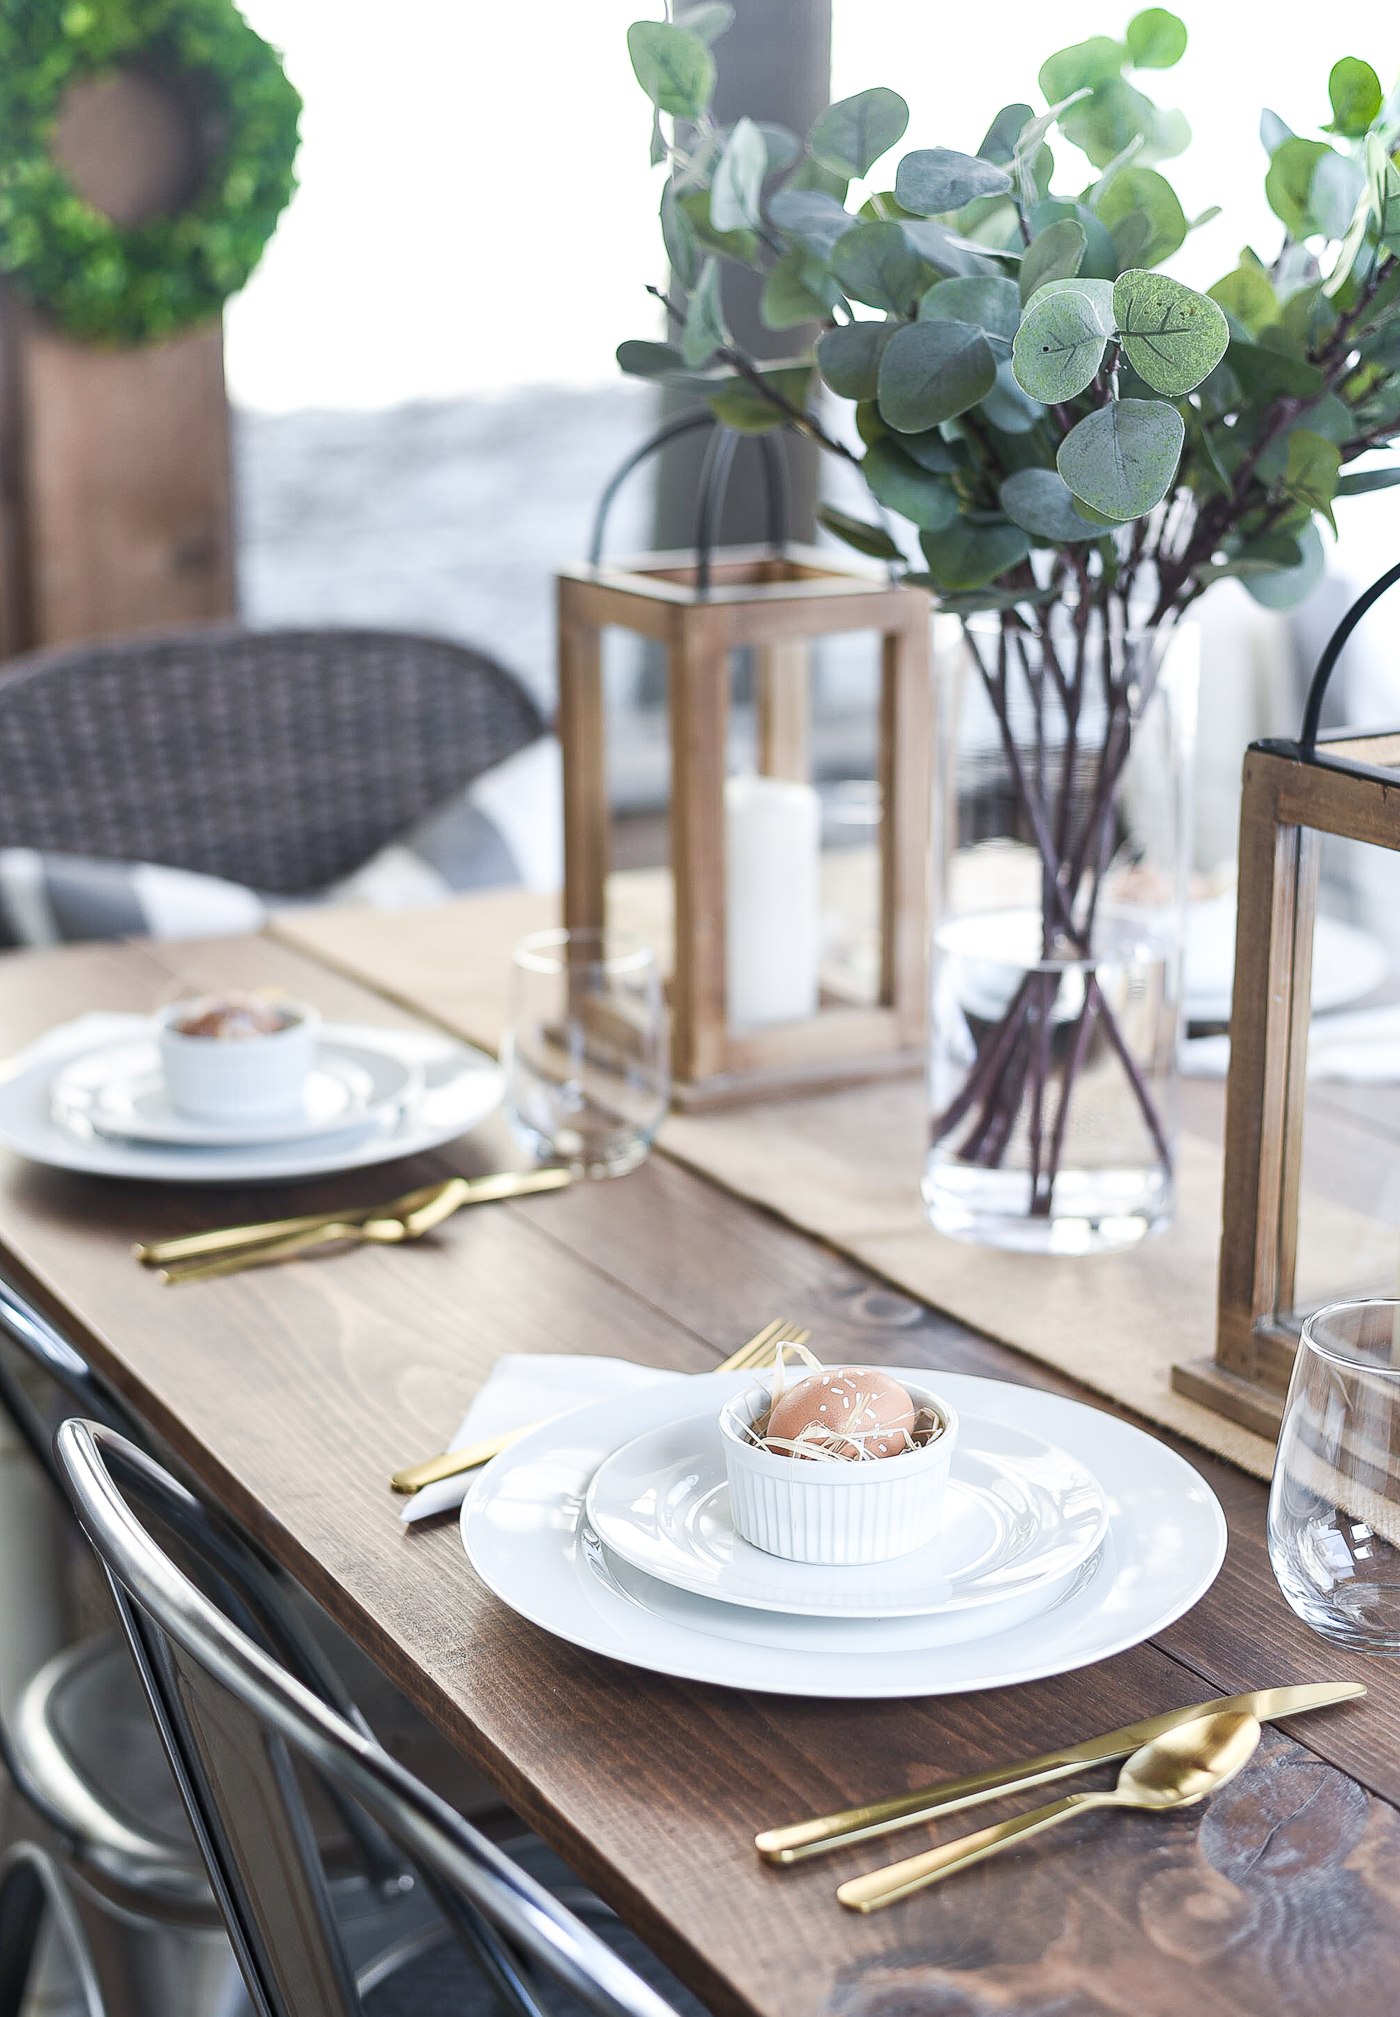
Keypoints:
pixel 525 1533
pixel 1019 1514
pixel 460 1087
pixel 1347 962
pixel 119 1089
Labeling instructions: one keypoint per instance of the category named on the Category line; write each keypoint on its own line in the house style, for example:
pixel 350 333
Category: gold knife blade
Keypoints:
pixel 434 1469
pixel 227 1239
pixel 857 1824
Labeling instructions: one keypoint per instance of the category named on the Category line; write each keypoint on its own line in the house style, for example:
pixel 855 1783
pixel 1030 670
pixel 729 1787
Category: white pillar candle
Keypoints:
pixel 772 858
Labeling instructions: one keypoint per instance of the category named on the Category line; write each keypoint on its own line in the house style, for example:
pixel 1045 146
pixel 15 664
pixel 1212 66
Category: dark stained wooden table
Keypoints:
pixel 293 1392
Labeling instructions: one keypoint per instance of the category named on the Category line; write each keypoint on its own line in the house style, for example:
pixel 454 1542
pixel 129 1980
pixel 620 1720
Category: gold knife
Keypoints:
pixel 857 1824
pixel 480 1190
pixel 433 1469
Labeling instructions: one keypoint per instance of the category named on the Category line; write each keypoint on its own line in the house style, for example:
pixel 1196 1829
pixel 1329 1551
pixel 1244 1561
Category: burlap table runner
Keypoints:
pixel 846 1165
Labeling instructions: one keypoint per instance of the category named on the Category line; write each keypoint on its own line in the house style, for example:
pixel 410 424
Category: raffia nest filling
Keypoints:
pixel 839 1503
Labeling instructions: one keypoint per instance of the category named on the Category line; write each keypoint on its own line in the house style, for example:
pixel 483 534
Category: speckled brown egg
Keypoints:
pixel 850 1400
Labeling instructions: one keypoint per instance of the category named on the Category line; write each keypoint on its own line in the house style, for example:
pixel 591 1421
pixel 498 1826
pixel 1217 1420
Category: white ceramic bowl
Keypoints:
pixel 838 1514
pixel 237 1078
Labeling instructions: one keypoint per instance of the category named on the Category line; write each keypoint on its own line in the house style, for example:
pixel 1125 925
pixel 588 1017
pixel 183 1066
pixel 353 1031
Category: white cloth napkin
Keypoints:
pixel 530 1387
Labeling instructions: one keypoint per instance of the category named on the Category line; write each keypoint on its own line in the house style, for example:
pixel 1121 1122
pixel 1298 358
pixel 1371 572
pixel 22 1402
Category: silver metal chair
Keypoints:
pixel 233 1721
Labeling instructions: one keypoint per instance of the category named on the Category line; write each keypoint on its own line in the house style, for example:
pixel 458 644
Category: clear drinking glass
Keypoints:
pixel 587 1051
pixel 1334 1510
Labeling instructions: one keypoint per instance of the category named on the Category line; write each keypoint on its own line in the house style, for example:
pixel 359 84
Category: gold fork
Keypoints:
pixel 762 1346
pixel 382 1232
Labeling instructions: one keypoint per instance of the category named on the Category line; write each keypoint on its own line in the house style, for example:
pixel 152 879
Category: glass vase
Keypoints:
pixel 1061 851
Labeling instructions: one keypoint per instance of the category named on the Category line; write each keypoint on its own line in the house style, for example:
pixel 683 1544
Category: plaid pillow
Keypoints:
pixel 506 827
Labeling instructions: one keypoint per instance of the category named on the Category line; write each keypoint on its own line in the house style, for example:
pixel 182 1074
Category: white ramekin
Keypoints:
pixel 836 1514
pixel 237 1078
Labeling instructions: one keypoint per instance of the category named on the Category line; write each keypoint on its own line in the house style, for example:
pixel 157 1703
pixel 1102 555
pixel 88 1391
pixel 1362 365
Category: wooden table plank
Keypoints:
pixel 292 1392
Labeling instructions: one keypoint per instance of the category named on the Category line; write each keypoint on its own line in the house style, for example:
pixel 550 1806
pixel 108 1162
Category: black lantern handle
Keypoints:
pixel 1312 713
pixel 714 481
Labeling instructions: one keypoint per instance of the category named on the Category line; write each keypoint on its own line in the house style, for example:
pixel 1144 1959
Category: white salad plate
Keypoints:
pixel 458 1086
pixel 1019 1514
pixel 121 1091
pixel 526 1533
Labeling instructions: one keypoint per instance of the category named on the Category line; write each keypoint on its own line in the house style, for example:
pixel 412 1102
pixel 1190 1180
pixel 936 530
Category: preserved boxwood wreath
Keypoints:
pixel 99 280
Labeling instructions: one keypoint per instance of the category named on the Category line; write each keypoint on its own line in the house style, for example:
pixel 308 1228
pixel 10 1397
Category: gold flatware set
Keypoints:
pixel 200 1257
pixel 1173 1760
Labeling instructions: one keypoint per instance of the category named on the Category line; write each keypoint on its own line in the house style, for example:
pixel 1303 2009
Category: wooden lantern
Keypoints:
pixel 1294 793
pixel 776 599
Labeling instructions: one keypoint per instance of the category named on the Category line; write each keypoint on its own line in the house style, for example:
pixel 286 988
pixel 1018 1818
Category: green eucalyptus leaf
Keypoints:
pixel 705 328
pixel 742 406
pixel 658 139
pixel 1142 191
pixel 1100 261
pixel 649 360
pixel 736 194
pixel 679 240
pixel 935 180
pixel 1006 407
pixel 810 215
pixel 1337 187
pixel 1311 472
pixel 1383 181
pixel 851 135
pixel 674 68
pixel 782 146
pixel 1107 121
pixel 799 289
pixel 1156 39
pixel 999 141
pixel 993 304
pixel 969 556
pixel 948 253
pixel 849 357
pixel 876 264
pixel 1041 503
pixel 870 539
pixel 1060 344
pixel 709 20
pixel 1172 336
pixel 1356 95
pixel 977 602
pixel 1289 180
pixel 900 485
pixel 1267 374
pixel 1093 62
pixel 740 245
pixel 1272 132
pixel 1287 588
pixel 931 371
pixel 934 452
pixel 1247 295
pixel 1122 459
pixel 1056 253
pixel 1358 482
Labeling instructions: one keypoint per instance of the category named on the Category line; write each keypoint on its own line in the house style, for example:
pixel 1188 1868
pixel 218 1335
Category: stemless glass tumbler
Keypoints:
pixel 1334 1510
pixel 587 1051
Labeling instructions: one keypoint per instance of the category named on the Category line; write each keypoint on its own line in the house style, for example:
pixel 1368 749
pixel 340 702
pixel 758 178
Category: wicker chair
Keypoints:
pixel 281 759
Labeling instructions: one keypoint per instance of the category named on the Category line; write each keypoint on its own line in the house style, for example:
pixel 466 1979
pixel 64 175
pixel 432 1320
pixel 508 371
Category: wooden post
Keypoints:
pixel 699 685
pixel 115 482
pixel 906 804
pixel 581 733
pixel 783 700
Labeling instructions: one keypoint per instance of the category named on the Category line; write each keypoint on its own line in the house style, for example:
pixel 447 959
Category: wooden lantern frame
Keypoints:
pixel 1294 793
pixel 776 599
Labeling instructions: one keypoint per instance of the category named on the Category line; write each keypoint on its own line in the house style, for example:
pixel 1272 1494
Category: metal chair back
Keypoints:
pixel 282 759
pixel 231 1719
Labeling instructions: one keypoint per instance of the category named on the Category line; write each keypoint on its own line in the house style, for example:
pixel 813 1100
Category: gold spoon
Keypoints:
pixel 1175 1770
pixel 383 1232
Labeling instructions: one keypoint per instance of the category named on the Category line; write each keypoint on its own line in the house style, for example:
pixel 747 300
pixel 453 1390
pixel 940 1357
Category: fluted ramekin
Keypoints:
pixel 237 1078
pixel 837 1514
